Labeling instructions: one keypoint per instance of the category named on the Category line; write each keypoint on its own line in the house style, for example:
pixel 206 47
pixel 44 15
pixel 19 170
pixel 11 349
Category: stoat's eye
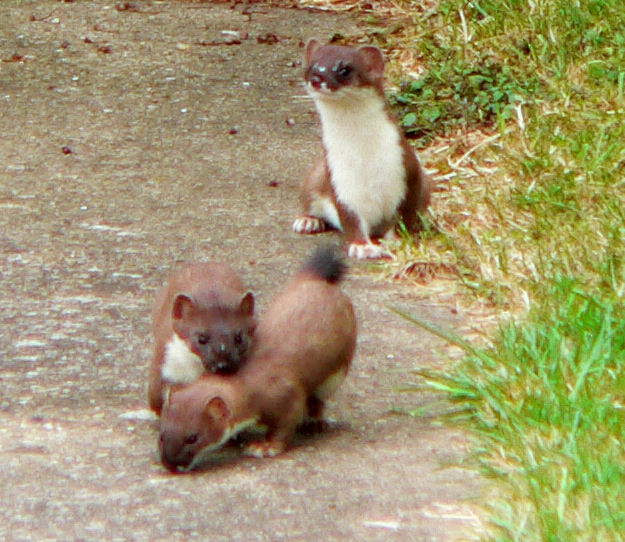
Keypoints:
pixel 202 338
pixel 191 439
pixel 344 70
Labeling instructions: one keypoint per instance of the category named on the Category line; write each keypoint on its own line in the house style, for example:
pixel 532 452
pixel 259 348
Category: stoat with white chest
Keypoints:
pixel 369 176
pixel 203 321
pixel 303 349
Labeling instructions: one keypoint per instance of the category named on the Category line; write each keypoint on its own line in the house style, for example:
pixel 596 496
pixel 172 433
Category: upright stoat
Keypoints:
pixel 303 348
pixel 203 320
pixel 369 175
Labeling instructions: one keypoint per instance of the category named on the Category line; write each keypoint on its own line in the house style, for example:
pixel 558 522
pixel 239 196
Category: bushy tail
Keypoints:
pixel 327 264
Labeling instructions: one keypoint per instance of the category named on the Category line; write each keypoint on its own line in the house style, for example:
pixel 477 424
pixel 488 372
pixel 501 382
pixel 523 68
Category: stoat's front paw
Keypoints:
pixel 309 224
pixel 366 251
pixel 263 448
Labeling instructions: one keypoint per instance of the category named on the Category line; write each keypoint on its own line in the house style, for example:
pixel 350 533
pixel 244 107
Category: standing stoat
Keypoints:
pixel 203 320
pixel 369 175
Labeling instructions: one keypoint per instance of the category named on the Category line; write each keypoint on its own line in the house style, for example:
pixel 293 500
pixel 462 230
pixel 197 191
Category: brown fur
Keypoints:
pixel 307 335
pixel 208 295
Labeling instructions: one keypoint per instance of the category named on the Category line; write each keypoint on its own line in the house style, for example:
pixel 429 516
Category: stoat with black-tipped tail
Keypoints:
pixel 303 348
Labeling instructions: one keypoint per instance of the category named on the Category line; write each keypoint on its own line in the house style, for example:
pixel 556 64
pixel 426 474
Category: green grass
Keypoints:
pixel 547 405
pixel 545 80
pixel 459 94
pixel 520 108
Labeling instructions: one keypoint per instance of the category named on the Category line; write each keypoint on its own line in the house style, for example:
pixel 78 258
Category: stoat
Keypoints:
pixel 303 348
pixel 369 176
pixel 203 321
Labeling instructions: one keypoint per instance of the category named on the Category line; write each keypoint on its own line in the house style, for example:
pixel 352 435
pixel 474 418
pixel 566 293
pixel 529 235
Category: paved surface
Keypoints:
pixel 131 140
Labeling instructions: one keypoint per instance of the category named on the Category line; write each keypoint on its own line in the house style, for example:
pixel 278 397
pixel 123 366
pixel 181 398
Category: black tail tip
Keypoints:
pixel 327 263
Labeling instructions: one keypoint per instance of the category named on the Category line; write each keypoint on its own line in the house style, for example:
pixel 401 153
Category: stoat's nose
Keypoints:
pixel 316 80
pixel 317 77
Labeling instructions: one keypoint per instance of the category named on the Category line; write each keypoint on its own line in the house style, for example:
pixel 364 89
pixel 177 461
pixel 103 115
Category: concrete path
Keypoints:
pixel 134 136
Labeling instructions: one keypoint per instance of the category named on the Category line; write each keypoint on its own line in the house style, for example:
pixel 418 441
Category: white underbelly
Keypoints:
pixel 365 157
pixel 331 384
pixel 373 190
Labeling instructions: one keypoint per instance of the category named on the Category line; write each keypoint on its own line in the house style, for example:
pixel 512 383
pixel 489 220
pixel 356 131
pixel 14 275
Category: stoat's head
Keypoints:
pixel 195 419
pixel 333 70
pixel 221 335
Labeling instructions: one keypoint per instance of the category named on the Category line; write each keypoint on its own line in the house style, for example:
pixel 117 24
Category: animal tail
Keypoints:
pixel 326 264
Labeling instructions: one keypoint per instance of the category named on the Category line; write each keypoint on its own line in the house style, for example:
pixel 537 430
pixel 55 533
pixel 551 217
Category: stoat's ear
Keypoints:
pixel 311 46
pixel 183 304
pixel 217 409
pixel 247 304
pixel 373 59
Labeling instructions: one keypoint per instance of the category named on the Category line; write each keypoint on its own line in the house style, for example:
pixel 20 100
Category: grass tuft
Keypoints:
pixel 546 402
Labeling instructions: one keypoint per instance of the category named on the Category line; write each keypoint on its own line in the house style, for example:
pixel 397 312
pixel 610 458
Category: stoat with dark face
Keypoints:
pixel 203 321
pixel 369 176
pixel 303 349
